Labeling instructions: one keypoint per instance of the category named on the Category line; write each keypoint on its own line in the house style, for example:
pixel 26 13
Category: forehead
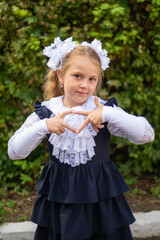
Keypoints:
pixel 84 63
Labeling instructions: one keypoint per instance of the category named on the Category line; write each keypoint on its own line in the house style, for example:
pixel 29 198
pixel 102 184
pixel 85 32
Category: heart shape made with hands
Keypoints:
pixel 94 117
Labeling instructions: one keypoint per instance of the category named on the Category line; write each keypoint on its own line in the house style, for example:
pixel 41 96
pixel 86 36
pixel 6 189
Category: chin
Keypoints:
pixel 81 101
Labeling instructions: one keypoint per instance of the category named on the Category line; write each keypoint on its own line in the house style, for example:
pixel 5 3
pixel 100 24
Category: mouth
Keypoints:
pixel 81 93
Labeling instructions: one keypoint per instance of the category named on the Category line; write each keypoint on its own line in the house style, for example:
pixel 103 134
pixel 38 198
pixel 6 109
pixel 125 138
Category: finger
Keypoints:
pixel 58 132
pixel 63 114
pixel 62 130
pixel 66 125
pixel 84 113
pixel 95 127
pixel 98 104
pixel 84 124
pixel 100 126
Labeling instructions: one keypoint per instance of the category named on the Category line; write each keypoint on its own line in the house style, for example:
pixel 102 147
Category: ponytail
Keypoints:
pixel 52 87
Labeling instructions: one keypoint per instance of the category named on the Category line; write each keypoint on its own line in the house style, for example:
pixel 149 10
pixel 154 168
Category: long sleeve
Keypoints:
pixel 122 124
pixel 27 137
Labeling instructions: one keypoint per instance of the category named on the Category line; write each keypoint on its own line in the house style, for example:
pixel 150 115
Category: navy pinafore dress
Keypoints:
pixel 85 202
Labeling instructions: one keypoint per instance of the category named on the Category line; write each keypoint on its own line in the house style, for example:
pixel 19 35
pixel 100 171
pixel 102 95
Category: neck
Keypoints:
pixel 71 104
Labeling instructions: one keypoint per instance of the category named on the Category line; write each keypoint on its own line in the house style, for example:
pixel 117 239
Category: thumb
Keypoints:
pixel 98 104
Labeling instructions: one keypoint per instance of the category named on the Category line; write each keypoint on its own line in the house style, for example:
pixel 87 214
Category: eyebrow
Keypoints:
pixel 79 72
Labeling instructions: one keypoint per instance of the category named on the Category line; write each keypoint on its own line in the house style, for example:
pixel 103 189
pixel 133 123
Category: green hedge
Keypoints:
pixel 129 30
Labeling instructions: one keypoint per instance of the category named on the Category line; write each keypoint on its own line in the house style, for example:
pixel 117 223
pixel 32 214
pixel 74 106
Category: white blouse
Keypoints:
pixel 75 149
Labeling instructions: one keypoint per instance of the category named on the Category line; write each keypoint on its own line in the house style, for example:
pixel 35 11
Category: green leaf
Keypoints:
pixel 117 10
pixel 25 178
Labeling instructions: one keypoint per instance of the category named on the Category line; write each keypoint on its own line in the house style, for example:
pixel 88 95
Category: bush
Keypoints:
pixel 129 30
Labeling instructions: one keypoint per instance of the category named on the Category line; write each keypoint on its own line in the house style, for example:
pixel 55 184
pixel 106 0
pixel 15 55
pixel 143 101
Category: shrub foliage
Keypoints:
pixel 128 29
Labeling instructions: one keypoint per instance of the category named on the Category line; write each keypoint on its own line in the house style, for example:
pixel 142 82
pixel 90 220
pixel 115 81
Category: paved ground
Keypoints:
pixel 30 237
pixel 146 227
pixel 157 238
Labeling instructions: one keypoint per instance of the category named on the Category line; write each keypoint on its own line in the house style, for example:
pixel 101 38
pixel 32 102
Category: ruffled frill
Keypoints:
pixel 84 184
pixel 42 111
pixel 80 221
pixel 73 149
pixel 119 234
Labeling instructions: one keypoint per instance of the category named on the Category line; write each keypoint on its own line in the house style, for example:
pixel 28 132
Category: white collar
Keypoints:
pixel 56 105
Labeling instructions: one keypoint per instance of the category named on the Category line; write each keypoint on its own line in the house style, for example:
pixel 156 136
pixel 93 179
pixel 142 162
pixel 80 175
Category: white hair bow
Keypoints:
pixel 59 49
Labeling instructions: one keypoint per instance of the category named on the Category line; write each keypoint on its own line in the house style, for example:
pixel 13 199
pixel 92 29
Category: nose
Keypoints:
pixel 84 83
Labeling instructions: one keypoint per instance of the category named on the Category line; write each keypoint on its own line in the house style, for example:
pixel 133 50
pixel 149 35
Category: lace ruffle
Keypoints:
pixel 73 149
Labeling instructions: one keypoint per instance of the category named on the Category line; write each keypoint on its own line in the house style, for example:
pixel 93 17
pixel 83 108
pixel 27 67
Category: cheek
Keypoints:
pixel 73 82
pixel 94 85
pixel 71 85
pixel 93 88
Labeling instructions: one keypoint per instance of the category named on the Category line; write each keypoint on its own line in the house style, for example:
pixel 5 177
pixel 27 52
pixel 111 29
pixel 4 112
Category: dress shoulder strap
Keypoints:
pixel 41 110
pixel 112 101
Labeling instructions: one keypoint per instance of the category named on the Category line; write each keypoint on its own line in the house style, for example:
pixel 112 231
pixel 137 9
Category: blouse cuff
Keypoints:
pixel 43 126
pixel 40 128
pixel 107 113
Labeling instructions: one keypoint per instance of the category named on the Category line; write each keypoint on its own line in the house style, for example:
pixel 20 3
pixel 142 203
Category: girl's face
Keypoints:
pixel 80 81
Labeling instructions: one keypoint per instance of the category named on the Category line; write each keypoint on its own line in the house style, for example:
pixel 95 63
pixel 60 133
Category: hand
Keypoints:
pixel 94 117
pixel 57 124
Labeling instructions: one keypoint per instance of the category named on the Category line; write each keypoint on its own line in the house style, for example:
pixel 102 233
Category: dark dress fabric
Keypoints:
pixel 85 202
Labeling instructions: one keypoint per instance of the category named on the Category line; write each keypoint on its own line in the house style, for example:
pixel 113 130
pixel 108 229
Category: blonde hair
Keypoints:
pixel 52 86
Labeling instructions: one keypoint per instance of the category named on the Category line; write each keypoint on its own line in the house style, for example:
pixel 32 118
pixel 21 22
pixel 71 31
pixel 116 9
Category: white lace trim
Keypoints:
pixel 148 134
pixel 73 149
pixel 30 121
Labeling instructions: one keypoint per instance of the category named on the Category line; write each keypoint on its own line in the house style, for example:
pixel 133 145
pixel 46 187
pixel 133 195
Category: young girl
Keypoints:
pixel 80 190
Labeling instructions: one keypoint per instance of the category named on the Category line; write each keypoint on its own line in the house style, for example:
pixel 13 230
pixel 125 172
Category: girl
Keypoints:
pixel 80 190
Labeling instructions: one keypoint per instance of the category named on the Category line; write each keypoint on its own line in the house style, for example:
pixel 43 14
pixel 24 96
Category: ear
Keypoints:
pixel 60 76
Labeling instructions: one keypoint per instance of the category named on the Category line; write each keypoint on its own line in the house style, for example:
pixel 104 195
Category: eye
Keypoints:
pixel 77 76
pixel 93 79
